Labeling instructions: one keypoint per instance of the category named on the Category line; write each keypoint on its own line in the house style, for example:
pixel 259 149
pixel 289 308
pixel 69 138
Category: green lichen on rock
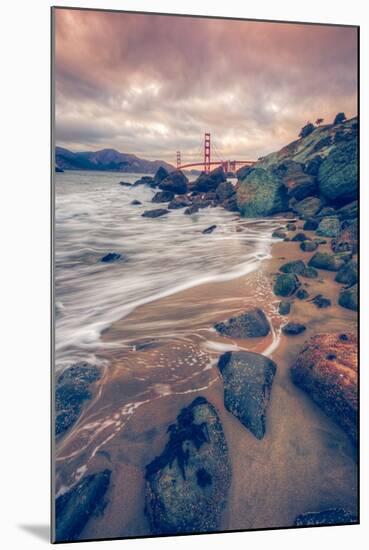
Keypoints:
pixel 338 173
pixel 261 193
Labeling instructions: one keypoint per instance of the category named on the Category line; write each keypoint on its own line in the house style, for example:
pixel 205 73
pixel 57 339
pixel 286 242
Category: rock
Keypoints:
pixel 279 234
pixel 292 329
pixel 300 237
pixel 308 246
pixel 135 202
pixel 163 196
pixel 230 203
pixel 349 211
pixel 312 167
pixel 284 307
pixel 347 275
pixel 161 174
pixel 296 266
pixel 326 212
pixel 191 209
pixel 58 169
pixel 251 324
pixel 176 182
pixel 291 227
pixel 74 508
pixel 310 273
pixel 329 227
pixel 310 225
pixel 286 284
pixel 261 193
pixel 298 183
pixel 71 391
pixel 348 298
pixel 338 173
pixel 145 180
pixel 187 485
pixel 320 301
pixel 302 294
pixel 330 262
pixel 209 229
pixel 248 379
pixel 155 213
pixel 347 240
pixel 111 257
pixel 125 184
pixel 209 182
pixel 180 201
pixel 334 516
pixel 308 207
pixel 326 369
pixel 225 190
pixel 320 241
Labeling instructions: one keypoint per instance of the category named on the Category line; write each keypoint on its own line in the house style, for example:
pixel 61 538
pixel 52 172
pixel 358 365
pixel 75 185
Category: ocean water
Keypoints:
pixel 94 216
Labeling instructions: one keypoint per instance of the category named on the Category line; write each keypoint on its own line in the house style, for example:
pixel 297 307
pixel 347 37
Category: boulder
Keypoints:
pixel 312 167
pixel 338 173
pixel 248 379
pixel 310 224
pixel 326 369
pixel 251 324
pixel 225 190
pixel 187 485
pixel 155 213
pixel 333 516
pixel 298 183
pixel 286 284
pixel 261 193
pixel 310 273
pixel 161 174
pixel 111 257
pixel 308 207
pixel 72 389
pixel 347 239
pixel 74 508
pixel 302 294
pixel 180 201
pixel 209 182
pixel 329 227
pixel 176 182
pixel 296 266
pixel 284 307
pixel 348 298
pixel 309 246
pixel 349 211
pixel 324 260
pixel 163 196
pixel 209 229
pixel 292 329
pixel 348 275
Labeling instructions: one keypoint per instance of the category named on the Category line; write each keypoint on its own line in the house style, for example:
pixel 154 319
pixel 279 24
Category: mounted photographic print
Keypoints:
pixel 205 275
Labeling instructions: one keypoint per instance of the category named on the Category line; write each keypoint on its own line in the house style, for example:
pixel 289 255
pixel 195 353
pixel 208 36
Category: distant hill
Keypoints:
pixel 108 160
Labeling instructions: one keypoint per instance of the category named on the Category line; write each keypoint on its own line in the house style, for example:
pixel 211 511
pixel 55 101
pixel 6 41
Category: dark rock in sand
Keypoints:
pixel 71 391
pixel 307 208
pixel 209 229
pixel 292 329
pixel 180 201
pixel 348 298
pixel 329 262
pixel 160 175
pixel 310 273
pixel 310 225
pixel 286 284
pixel 329 227
pixel 309 246
pixel 348 275
pixel 302 294
pixel 300 237
pixel 321 301
pixel 135 202
pixel 191 209
pixel 163 196
pixel 251 324
pixel 296 266
pixel 248 379
pixel 176 182
pixel 334 516
pixel 155 213
pixel 187 485
pixel 74 508
pixel 261 193
pixel 279 234
pixel 326 369
pixel 111 257
pixel 284 307
pixel 338 173
pixel 225 190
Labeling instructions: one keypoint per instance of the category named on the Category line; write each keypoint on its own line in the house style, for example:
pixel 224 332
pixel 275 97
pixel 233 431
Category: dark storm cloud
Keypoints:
pixel 153 84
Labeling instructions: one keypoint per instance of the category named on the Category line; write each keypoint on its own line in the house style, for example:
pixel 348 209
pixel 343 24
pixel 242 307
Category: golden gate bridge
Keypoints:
pixel 207 164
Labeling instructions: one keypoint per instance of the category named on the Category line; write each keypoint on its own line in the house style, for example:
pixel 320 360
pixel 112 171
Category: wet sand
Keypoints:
pixel 163 355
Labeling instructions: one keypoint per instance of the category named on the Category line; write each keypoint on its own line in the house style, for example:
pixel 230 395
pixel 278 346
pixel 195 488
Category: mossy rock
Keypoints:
pixel 296 266
pixel 329 262
pixel 284 307
pixel 338 173
pixel 261 193
pixel 329 227
pixel 308 208
pixel 348 298
pixel 286 284
pixel 310 273
pixel 347 275
pixel 308 246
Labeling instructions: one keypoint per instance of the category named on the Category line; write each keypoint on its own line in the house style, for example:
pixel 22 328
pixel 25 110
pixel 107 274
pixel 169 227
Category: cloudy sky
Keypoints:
pixel 152 85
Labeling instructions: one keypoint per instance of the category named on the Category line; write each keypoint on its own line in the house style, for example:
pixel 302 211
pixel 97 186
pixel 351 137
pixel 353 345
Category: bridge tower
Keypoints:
pixel 178 159
pixel 207 153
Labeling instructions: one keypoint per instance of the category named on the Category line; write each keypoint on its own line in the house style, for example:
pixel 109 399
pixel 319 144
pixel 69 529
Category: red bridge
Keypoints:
pixel 207 164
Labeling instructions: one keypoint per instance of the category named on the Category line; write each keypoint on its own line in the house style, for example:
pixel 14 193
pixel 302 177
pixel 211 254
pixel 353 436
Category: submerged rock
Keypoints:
pixel 111 257
pixel 326 369
pixel 125 183
pixel 135 202
pixel 286 284
pixel 292 329
pixel 348 275
pixel 72 389
pixel 180 201
pixel 296 266
pixel 209 229
pixel 74 508
pixel 251 324
pixel 348 298
pixel 334 516
pixel 155 213
pixel 163 196
pixel 191 210
pixel 187 485
pixel 248 379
